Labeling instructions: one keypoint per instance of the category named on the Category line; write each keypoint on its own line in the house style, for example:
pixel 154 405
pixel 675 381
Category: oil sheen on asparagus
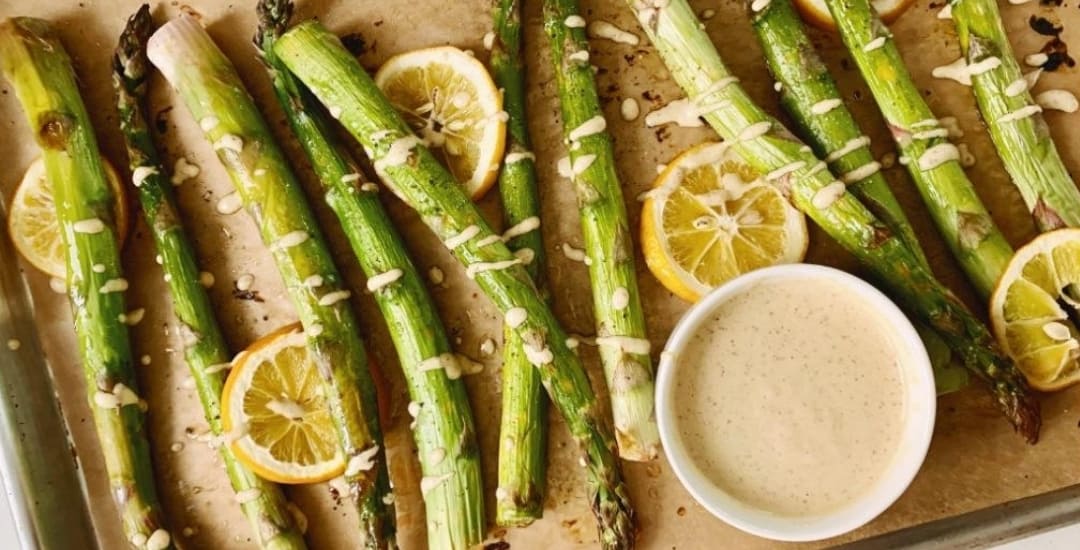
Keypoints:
pixel 1019 132
pixel 39 69
pixel 810 95
pixel 272 522
pixel 522 463
pixel 608 245
pixel 319 59
pixel 215 96
pixel 443 428
pixel 932 161
pixel 695 64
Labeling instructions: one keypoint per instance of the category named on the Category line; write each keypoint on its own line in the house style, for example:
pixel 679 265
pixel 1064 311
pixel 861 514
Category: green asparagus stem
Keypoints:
pixel 1019 132
pixel 38 67
pixel 318 58
pixel 931 160
pixel 591 166
pixel 444 430
pixel 523 465
pixel 271 520
pixel 216 98
pixel 803 81
pixel 771 149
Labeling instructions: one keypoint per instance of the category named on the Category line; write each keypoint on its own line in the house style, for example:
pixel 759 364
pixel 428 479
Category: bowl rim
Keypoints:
pixel 918 427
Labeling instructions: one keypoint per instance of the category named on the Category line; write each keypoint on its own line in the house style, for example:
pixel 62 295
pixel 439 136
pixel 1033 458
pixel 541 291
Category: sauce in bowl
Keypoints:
pixel 791 397
pixel 794 399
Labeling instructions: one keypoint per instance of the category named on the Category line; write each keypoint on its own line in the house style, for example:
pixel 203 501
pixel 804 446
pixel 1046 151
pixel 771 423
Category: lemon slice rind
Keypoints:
pixel 817 13
pixel 289 436
pixel 1028 310
pixel 461 121
pixel 32 222
pixel 710 218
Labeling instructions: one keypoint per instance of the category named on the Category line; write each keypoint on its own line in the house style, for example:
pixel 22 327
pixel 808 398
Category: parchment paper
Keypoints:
pixel 975 460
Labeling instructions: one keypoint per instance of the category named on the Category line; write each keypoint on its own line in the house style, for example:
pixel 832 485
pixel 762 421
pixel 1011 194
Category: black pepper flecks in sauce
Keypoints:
pixel 791 397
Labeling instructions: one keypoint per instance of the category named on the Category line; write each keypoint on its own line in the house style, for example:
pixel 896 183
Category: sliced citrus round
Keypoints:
pixel 817 13
pixel 449 99
pixel 709 218
pixel 33 225
pixel 1036 306
pixel 274 412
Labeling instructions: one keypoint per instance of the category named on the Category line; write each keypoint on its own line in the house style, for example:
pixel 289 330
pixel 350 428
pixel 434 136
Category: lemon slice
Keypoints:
pixel 817 13
pixel 33 225
pixel 450 101
pixel 274 412
pixel 1035 307
pixel 710 218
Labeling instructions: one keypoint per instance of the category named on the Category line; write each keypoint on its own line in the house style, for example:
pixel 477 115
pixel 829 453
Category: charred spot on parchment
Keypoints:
pixel 161 119
pixel 1056 50
pixel 252 295
pixel 1044 26
pixel 355 43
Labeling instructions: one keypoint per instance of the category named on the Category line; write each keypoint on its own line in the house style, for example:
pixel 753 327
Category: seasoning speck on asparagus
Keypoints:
pixel 39 69
pixel 319 59
pixel 208 84
pixel 444 431
pixel 1023 142
pixel 272 524
pixel 519 498
pixel 606 231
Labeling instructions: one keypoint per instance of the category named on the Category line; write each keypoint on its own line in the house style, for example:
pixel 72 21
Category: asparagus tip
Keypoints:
pixel 1023 411
pixel 129 60
pixel 274 16
pixel 616 517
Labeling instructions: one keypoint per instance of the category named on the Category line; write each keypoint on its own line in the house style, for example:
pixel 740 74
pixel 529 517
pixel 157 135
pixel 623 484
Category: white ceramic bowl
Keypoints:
pixel 918 426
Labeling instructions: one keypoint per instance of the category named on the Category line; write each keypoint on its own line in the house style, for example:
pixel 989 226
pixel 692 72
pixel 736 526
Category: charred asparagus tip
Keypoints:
pixel 129 60
pixel 1023 412
pixel 274 17
pixel 617 524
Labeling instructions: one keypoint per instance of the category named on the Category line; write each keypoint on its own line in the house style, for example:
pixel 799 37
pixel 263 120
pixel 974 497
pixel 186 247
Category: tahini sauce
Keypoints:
pixel 790 397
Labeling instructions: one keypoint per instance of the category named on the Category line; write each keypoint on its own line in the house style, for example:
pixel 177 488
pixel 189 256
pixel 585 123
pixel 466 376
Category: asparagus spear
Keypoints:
pixel 216 98
pixel 444 430
pixel 273 524
pixel 320 61
pixel 931 160
pixel 522 465
pixel 1019 132
pixel 38 67
pixel 803 81
pixel 770 148
pixel 591 166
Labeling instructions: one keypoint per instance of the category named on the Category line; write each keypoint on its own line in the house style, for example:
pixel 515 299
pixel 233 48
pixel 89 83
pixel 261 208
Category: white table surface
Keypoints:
pixel 7 525
pixel 1066 538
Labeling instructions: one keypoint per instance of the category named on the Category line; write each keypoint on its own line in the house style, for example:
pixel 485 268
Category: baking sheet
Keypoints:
pixel 975 460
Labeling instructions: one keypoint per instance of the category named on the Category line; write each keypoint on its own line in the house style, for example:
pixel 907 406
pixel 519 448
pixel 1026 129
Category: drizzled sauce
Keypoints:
pixel 790 397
